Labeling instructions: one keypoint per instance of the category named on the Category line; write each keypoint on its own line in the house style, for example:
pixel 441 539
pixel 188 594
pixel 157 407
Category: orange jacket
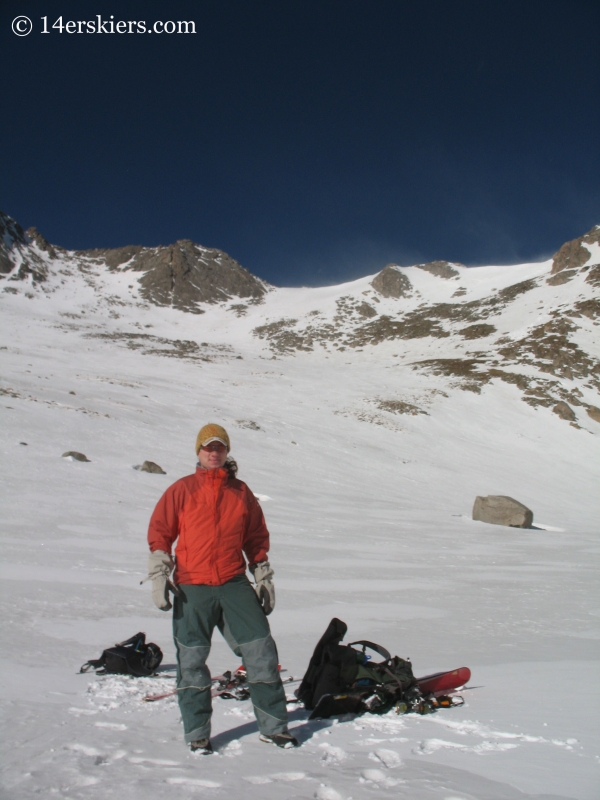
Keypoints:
pixel 214 518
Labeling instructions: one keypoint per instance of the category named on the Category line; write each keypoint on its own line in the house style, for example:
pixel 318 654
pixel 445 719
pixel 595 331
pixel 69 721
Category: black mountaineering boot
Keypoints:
pixel 284 739
pixel 202 746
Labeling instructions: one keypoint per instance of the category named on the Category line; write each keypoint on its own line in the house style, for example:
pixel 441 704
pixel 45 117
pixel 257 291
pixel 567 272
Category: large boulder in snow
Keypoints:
pixel 75 456
pixel 497 509
pixel 150 466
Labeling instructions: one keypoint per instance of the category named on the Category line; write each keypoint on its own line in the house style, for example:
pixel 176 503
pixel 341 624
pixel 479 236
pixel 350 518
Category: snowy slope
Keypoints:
pixel 367 444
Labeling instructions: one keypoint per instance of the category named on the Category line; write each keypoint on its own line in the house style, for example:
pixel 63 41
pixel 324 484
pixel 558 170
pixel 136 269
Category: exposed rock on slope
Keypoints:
pixel 514 328
pixel 150 345
pixel 564 411
pixel 282 337
pixel 151 466
pixel 502 510
pixel 43 244
pixel 441 269
pixel 75 456
pixel 184 274
pixel 549 348
pixel 392 282
pixel 543 361
pixel 572 256
pixel 18 260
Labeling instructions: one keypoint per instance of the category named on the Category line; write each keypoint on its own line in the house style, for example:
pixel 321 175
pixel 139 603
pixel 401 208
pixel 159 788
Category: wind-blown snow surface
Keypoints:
pixel 370 523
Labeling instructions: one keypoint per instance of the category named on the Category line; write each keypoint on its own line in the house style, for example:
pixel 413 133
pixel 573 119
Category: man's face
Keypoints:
pixel 213 455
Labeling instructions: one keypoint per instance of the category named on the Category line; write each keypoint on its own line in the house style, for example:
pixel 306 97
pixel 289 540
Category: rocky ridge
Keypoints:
pixel 19 261
pixel 530 333
pixel 183 275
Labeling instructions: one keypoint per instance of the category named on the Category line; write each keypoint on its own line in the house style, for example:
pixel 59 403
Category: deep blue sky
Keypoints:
pixel 313 140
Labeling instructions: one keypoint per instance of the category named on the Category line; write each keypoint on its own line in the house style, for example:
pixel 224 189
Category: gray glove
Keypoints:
pixel 264 585
pixel 160 565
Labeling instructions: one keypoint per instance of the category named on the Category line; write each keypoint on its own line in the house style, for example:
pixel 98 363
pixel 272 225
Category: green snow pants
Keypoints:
pixel 235 610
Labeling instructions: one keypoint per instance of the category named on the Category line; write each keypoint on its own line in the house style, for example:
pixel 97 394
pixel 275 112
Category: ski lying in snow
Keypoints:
pixel 238 691
pixel 221 685
pixel 441 683
pixel 228 686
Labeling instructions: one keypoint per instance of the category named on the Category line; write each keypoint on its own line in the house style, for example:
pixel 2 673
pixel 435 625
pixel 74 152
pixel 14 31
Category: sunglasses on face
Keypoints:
pixel 214 447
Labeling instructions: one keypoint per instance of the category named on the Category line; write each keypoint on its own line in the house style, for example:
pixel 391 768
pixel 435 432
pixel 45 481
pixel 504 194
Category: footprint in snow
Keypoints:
pixel 389 758
pixel 379 778
pixel 90 752
pixel 288 777
pixel 331 754
pixel 114 726
pixel 181 781
pixel 233 749
pixel 327 793
pixel 466 727
pixel 285 777
pixel 81 781
pixel 429 746
pixel 83 748
pixel 82 712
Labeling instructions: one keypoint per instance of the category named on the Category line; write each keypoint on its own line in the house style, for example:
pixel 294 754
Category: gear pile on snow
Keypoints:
pixel 132 657
pixel 341 680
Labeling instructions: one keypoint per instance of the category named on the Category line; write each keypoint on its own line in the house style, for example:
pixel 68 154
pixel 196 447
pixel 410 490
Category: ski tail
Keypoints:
pixel 442 682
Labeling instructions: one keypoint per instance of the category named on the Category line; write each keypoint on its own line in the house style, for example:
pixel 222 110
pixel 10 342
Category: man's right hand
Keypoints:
pixel 160 565
pixel 263 576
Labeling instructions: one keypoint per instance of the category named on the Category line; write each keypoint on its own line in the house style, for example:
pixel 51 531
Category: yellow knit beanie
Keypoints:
pixel 212 433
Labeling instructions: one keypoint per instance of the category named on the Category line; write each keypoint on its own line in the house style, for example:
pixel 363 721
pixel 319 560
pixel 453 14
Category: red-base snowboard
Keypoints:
pixel 441 683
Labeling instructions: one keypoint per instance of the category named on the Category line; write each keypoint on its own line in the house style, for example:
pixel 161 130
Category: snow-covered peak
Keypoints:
pixel 531 326
pixel 366 424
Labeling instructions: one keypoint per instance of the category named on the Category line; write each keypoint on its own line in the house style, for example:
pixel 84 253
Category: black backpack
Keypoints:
pixel 342 680
pixel 132 657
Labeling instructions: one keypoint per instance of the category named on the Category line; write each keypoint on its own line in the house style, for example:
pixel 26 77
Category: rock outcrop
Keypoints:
pixel 42 243
pixel 73 454
pixel 564 411
pixel 594 413
pixel 441 269
pixel 184 274
pixel 392 282
pixel 498 509
pixel 572 256
pixel 150 466
pixel 18 259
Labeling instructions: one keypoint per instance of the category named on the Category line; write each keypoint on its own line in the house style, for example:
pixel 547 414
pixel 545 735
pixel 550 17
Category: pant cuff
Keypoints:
pixel 268 724
pixel 203 732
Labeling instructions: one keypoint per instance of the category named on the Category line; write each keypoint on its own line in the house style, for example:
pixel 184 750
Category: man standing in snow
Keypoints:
pixel 215 519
